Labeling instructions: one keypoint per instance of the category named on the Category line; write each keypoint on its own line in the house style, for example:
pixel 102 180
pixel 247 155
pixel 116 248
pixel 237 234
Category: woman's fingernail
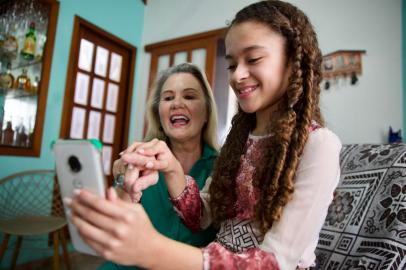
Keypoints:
pixel 130 166
pixel 141 151
pixel 149 165
pixel 67 201
pixel 121 153
pixel 76 192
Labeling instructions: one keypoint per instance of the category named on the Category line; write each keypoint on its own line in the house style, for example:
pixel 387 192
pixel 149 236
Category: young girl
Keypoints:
pixel 274 178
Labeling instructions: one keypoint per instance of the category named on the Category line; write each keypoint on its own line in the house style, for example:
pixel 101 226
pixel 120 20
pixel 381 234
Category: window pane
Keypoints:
pixel 112 97
pixel 180 57
pixel 81 88
pixel 108 130
pixel 106 156
pixel 78 123
pixel 199 58
pixel 115 67
pixel 86 55
pixel 102 55
pixel 97 93
pixel 163 62
pixel 93 125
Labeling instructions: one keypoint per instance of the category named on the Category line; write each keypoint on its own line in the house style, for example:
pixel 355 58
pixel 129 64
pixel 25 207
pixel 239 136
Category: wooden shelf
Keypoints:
pixel 16 93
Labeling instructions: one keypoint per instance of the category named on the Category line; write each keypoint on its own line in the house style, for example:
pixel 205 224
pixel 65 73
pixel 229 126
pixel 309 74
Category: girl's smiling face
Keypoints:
pixel 258 67
pixel 182 107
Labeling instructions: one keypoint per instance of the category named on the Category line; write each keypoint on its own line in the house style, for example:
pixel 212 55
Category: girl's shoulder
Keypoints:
pixel 322 137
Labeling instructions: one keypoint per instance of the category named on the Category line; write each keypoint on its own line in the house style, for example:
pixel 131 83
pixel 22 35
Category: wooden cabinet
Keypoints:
pixel 27 32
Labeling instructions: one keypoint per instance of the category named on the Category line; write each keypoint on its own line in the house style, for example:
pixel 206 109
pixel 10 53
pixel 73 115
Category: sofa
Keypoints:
pixel 365 226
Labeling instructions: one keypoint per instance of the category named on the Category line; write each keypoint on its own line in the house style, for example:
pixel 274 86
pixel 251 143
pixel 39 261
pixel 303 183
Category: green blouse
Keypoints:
pixel 155 200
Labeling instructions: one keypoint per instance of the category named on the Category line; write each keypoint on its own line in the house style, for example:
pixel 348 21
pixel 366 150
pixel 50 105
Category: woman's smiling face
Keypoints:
pixel 182 107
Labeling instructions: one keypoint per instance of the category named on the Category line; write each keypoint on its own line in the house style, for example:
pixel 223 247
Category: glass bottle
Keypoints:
pixel 21 137
pixel 10 44
pixel 8 134
pixel 34 85
pixel 23 81
pixel 6 78
pixel 29 49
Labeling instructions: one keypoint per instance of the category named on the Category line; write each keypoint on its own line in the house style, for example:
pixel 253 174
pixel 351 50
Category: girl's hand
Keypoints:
pixel 117 230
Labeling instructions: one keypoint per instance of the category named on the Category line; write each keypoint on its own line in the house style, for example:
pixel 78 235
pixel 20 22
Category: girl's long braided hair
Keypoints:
pixel 274 176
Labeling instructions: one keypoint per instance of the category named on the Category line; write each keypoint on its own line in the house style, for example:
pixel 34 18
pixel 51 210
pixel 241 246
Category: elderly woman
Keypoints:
pixel 182 112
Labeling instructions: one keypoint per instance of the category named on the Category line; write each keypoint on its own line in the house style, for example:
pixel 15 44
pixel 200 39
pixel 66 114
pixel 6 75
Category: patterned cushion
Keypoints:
pixel 365 226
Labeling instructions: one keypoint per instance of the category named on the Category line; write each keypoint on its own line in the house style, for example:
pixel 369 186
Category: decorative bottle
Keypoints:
pixel 23 81
pixel 35 84
pixel 6 78
pixel 8 134
pixel 21 137
pixel 30 42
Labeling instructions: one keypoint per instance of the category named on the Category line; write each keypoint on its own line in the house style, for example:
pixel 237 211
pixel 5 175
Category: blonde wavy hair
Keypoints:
pixel 274 175
pixel 209 132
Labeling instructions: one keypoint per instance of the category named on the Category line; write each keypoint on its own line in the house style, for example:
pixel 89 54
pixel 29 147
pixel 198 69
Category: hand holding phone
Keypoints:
pixel 78 165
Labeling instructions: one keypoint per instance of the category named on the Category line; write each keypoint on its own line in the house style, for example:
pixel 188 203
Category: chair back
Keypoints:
pixel 30 193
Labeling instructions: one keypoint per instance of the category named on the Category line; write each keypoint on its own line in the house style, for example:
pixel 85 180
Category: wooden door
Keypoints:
pixel 199 49
pixel 99 90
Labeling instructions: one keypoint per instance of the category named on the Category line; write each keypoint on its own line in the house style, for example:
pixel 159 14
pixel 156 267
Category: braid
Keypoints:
pixel 227 170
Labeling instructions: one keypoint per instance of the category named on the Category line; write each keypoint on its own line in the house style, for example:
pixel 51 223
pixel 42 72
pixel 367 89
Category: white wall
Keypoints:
pixel 360 113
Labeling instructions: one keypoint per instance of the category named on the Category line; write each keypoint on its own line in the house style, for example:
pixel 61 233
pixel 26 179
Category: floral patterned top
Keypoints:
pixel 291 241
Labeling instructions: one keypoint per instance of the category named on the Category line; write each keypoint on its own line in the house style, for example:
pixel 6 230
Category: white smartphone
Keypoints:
pixel 79 165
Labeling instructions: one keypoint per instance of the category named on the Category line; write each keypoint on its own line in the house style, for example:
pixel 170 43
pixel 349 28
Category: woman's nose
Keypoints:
pixel 177 102
pixel 240 73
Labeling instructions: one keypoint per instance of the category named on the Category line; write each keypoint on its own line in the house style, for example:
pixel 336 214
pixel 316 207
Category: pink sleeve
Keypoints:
pixel 188 205
pixel 215 256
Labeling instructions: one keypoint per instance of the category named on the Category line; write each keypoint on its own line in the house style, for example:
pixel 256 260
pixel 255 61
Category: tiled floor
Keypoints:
pixel 78 261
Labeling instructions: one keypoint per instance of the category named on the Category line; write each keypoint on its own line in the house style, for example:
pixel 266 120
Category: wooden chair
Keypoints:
pixel 30 204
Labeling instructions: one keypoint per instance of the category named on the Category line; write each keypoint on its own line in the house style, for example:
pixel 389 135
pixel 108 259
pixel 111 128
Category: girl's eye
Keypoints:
pixel 253 60
pixel 231 67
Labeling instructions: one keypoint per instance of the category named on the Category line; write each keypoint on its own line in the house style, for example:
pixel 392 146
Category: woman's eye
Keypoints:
pixel 189 97
pixel 167 98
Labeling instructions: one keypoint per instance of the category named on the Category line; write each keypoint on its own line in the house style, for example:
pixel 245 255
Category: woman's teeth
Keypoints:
pixel 179 119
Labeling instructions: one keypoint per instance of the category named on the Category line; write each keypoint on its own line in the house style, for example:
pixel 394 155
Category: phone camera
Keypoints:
pixel 74 164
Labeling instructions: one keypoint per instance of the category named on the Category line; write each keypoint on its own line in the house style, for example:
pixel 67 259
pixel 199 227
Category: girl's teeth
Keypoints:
pixel 247 90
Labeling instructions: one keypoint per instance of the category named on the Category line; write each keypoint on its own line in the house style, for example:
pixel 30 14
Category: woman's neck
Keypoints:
pixel 187 153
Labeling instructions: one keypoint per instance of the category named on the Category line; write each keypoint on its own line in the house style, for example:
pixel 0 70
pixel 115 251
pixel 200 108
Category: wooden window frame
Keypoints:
pixel 207 40
pixel 69 102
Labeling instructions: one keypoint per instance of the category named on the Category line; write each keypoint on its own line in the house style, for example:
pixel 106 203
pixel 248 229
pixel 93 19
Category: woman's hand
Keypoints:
pixel 118 167
pixel 117 230
pixel 136 178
